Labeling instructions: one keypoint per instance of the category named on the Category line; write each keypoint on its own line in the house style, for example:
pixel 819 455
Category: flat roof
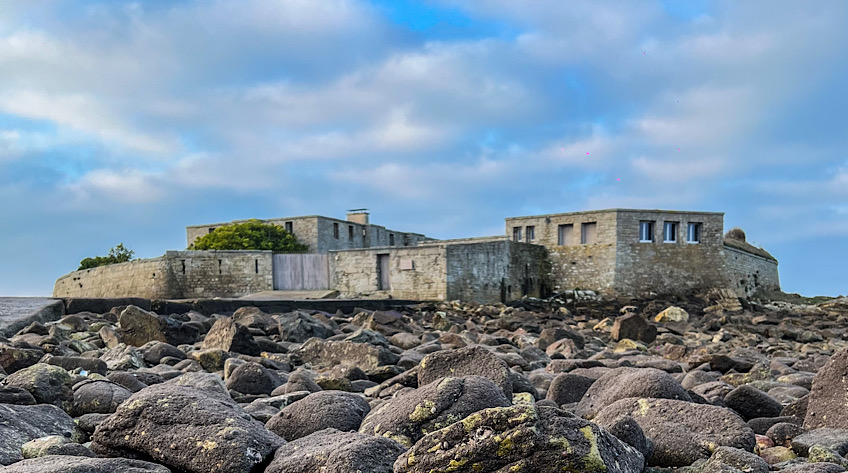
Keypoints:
pixel 582 212
pixel 300 218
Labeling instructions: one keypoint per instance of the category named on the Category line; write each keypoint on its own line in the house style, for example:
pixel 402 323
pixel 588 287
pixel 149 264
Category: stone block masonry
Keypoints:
pixel 176 275
pixel 414 273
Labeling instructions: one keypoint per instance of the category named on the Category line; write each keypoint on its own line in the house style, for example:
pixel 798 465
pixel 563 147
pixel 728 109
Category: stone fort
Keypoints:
pixel 613 251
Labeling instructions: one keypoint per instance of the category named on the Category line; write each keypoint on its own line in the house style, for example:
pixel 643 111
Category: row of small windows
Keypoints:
pixel 670 230
pixel 588 233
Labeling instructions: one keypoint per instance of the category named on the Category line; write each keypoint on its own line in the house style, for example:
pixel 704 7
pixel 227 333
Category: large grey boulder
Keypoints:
pixel 318 411
pixel 324 354
pixel 98 397
pixel 331 451
pixel 81 464
pixel 468 361
pixel 622 383
pixel 252 378
pixel 185 428
pixel 48 384
pixel 520 438
pixel 411 416
pixel 299 327
pixel 682 432
pixel 230 336
pixel 20 424
pixel 137 327
pixel 829 394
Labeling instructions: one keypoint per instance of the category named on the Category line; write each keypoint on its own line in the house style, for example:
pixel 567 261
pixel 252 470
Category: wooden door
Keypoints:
pixel 301 272
pixel 383 273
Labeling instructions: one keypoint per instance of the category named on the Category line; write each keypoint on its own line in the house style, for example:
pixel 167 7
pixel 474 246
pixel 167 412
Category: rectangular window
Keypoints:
pixel 669 232
pixel 290 227
pixel 516 233
pixel 530 233
pixel 350 232
pixel 564 234
pixel 211 230
pixel 336 231
pixel 588 233
pixel 391 239
pixel 693 233
pixel 646 231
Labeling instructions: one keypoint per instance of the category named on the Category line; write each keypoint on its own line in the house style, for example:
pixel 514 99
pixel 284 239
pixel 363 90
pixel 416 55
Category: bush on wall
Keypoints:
pixel 118 254
pixel 250 235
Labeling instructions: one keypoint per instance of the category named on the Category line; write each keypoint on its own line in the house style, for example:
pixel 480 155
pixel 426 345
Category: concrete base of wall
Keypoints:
pixel 228 306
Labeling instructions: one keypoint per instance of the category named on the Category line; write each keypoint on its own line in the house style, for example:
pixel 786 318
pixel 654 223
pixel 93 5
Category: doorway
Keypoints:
pixel 383 273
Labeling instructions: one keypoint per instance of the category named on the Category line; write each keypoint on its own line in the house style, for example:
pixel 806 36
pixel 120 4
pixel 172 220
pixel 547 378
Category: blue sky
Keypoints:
pixel 126 121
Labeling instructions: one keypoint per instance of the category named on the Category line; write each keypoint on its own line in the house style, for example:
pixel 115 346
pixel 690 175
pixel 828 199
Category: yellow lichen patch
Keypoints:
pixel 444 383
pixel 207 445
pixel 560 442
pixel 522 398
pixel 592 461
pixel 505 447
pixel 470 422
pixel 644 407
pixel 134 404
pixel 435 448
pixel 456 465
pixel 423 412
pixel 477 467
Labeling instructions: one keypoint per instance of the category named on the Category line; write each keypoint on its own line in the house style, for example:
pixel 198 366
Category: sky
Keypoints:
pixel 125 121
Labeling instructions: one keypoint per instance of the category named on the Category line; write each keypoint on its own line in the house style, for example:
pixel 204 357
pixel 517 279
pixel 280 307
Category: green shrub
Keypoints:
pixel 118 254
pixel 250 235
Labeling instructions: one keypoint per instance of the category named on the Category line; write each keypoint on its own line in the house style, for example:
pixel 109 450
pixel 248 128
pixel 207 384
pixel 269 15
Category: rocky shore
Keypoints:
pixel 703 383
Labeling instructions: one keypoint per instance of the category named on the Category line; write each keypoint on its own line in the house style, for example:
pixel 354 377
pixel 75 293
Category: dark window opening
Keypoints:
pixel 183 261
pixel 516 233
pixel 350 232
pixel 530 233
pixel 290 227
pixel 336 231
pixel 220 264
pixel 211 230
pixel 256 265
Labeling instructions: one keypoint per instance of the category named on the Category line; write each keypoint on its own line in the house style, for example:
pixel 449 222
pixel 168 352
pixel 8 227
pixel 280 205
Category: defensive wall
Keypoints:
pixel 176 275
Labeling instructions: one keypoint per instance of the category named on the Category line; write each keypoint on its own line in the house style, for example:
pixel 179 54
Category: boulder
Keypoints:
pixel 98 397
pixel 409 417
pixel 154 352
pixel 741 460
pixel 567 388
pixel 829 394
pixel 123 357
pixel 622 383
pixel 253 317
pixel 672 314
pixel 332 451
pixel 299 327
pixel 70 363
pixel 81 464
pixel 626 429
pixel 138 326
pixel 229 336
pixel 318 411
pixel 326 354
pixel 834 439
pixel 14 358
pixel 682 432
pixel 468 361
pixel 48 384
pixel 633 327
pixel 21 424
pixel 14 395
pixel 520 438
pixel 252 378
pixel 185 428
pixel 751 403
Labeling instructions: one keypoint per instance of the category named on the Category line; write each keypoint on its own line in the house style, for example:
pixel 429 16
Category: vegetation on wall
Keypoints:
pixel 250 235
pixel 118 254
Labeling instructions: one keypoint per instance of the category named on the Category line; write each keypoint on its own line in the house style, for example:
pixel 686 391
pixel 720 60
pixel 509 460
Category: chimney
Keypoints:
pixel 358 216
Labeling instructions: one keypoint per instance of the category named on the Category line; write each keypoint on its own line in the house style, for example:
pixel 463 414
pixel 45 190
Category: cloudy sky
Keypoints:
pixel 125 121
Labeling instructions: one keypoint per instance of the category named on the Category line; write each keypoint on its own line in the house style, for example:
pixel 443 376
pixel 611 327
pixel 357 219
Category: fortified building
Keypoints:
pixel 614 251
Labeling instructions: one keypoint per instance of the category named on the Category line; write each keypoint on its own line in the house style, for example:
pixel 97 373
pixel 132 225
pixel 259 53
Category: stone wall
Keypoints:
pixel 145 278
pixel 417 273
pixel 200 274
pixel 659 266
pixel 319 233
pixel 574 264
pixel 491 271
pixel 176 275
pixel 749 273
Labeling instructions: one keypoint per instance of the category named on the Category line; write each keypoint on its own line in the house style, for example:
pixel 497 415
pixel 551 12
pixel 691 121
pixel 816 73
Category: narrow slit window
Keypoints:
pixel 350 232
pixel 183 262
pixel 391 239
pixel 336 231
pixel 256 266
pixel 290 227
pixel 220 266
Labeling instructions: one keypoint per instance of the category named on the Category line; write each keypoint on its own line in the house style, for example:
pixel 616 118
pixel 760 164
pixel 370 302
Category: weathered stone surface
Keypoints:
pixel 672 314
pixel 252 378
pixel 37 447
pixel 633 327
pixel 476 361
pixel 98 397
pixel 567 388
pixel 20 424
pixel 829 394
pixel 521 438
pixel 14 358
pixel 751 403
pixel 154 352
pixel 318 411
pixel 123 357
pixel 70 363
pixel 741 460
pixel 834 439
pixel 138 326
pixel 681 431
pixel 48 384
pixel 332 451
pixel 80 464
pixel 299 327
pixel 230 336
pixel 188 429
pixel 626 429
pixel 431 407
pixel 622 383
pixel 326 354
